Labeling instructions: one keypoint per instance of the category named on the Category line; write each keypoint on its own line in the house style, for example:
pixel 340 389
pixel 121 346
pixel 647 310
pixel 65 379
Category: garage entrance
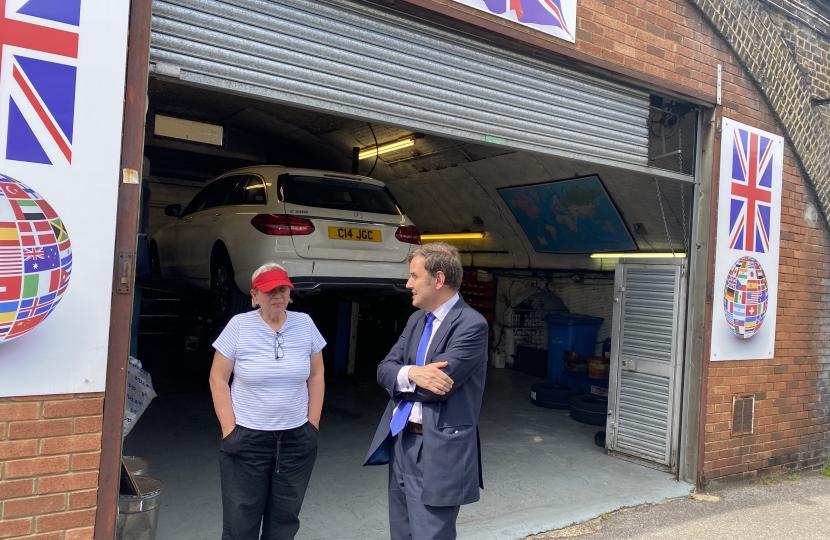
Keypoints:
pixel 539 197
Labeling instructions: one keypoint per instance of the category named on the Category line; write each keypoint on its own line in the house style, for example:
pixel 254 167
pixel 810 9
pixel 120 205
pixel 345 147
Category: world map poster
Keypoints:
pixel 569 216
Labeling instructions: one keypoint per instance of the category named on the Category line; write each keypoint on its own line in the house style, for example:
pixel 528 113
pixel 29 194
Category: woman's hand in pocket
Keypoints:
pixel 227 430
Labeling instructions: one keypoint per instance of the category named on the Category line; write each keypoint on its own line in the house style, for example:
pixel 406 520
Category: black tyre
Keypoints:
pixel 228 300
pixel 551 396
pixel 589 409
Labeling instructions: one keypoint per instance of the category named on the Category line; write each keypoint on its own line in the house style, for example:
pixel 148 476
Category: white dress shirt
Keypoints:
pixel 403 383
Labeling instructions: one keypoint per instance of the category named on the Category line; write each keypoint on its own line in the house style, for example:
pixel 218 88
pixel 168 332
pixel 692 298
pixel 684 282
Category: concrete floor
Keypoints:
pixel 541 469
pixel 791 508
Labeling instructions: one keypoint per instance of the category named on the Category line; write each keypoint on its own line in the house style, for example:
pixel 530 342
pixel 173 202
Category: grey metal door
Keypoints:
pixel 646 358
pixel 354 59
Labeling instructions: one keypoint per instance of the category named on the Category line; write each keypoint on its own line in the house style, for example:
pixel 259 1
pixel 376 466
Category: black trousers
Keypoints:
pixel 264 479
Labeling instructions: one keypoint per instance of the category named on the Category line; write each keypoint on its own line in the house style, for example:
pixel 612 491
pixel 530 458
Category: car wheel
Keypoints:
pixel 590 409
pixel 155 262
pixel 228 300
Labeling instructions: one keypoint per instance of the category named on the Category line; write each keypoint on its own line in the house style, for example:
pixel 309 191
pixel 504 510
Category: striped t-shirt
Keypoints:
pixel 270 394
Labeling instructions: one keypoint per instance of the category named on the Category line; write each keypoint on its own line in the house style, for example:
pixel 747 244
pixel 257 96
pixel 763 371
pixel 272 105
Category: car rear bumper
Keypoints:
pixel 341 283
pixel 309 275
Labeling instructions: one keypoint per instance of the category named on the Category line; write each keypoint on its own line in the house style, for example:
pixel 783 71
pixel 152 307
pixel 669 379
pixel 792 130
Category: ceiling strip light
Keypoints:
pixel 452 236
pixel 372 151
pixel 638 255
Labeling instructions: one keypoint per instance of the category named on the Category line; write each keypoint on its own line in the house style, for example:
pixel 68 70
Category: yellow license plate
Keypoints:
pixel 349 233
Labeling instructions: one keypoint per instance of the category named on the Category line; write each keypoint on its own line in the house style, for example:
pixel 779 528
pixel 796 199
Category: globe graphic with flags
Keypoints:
pixel 746 297
pixel 35 259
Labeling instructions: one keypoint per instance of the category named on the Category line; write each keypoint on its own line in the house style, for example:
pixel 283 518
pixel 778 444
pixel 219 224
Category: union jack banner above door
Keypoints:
pixel 748 235
pixel 554 17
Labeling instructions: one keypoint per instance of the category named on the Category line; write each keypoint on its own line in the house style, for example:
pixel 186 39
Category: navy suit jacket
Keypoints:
pixel 451 452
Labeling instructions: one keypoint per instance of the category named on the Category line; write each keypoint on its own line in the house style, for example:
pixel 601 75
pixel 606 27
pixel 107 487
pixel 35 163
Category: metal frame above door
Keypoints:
pixel 647 352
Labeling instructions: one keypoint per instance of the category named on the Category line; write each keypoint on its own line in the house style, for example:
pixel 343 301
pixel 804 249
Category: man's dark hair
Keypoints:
pixel 440 256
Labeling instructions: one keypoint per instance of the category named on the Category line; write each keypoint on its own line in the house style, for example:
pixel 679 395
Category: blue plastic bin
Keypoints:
pixel 569 332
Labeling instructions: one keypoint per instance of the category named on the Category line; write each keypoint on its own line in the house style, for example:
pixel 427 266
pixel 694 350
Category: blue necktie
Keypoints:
pixel 401 416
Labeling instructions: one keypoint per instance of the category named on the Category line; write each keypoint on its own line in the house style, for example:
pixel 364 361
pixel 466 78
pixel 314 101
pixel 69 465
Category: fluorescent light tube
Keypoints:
pixel 638 255
pixel 452 236
pixel 372 151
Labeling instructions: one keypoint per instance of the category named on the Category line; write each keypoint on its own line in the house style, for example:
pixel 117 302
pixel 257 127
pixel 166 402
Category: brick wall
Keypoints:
pixel 786 57
pixel 791 390
pixel 49 455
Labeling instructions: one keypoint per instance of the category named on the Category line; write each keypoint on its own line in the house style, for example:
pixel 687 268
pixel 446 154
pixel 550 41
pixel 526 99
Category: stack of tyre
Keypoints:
pixel 586 408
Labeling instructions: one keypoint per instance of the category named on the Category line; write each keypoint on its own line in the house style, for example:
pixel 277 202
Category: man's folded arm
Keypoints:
pixel 464 356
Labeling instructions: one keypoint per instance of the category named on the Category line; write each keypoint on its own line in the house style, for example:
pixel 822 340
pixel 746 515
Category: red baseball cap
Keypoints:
pixel 270 280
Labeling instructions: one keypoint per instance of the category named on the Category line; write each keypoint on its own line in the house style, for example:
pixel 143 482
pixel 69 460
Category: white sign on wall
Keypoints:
pixel 748 237
pixel 554 17
pixel 62 69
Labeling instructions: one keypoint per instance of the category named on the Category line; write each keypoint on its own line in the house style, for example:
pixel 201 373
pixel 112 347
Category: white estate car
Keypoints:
pixel 328 229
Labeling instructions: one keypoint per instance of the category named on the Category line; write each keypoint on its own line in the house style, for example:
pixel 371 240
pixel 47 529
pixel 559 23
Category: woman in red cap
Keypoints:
pixel 270 416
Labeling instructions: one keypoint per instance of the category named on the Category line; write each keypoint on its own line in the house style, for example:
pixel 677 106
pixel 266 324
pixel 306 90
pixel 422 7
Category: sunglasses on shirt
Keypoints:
pixel 278 352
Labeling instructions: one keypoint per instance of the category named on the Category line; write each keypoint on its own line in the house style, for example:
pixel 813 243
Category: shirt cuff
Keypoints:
pixel 403 384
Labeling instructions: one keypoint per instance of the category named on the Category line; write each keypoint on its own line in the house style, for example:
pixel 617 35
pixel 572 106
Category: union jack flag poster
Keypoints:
pixel 38 72
pixel 554 17
pixel 750 203
pixel 747 247
pixel 62 90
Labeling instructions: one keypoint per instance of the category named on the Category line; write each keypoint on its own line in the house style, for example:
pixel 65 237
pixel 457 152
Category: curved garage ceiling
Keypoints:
pixel 442 184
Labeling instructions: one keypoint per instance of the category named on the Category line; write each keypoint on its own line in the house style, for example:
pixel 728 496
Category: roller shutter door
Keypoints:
pixel 647 345
pixel 365 62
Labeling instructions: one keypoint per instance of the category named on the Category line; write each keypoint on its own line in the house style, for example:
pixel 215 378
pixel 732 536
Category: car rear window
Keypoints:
pixel 337 194
pixel 229 191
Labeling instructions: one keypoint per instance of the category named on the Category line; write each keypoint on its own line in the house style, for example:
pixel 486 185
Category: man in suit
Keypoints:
pixel 435 377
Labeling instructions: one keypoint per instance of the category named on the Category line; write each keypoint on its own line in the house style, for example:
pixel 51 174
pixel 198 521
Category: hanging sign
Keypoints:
pixel 748 236
pixel 554 17
pixel 62 69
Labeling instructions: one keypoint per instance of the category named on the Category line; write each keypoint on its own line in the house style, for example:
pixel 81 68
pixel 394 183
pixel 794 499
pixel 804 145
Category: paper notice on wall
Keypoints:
pixel 140 393
pixel 748 236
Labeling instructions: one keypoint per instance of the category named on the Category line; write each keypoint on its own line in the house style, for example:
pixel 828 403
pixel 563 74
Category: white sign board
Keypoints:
pixel 554 17
pixel 62 69
pixel 748 237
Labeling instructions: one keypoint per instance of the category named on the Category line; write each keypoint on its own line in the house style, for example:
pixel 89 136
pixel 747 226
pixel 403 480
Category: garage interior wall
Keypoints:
pixel 523 301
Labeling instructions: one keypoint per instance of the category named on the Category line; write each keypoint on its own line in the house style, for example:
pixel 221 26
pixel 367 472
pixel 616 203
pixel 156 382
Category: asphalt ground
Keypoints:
pixel 780 508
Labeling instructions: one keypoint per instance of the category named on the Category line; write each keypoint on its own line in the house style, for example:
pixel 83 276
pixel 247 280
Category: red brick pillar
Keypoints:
pixel 50 449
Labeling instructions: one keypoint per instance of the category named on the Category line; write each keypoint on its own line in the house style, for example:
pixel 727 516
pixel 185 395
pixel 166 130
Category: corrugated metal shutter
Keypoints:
pixel 362 61
pixel 646 360
pixel 642 424
pixel 648 315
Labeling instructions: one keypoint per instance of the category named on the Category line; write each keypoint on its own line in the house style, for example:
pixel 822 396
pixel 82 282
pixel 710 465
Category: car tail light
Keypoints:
pixel 409 234
pixel 282 225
